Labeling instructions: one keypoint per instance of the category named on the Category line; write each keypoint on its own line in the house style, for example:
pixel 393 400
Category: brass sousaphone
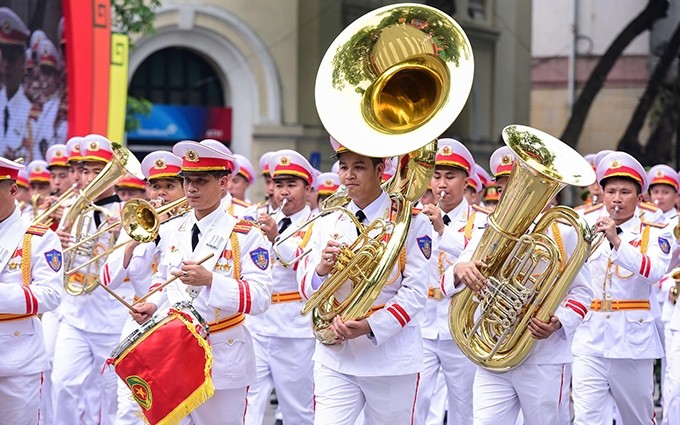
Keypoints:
pixel 390 84
pixel 527 275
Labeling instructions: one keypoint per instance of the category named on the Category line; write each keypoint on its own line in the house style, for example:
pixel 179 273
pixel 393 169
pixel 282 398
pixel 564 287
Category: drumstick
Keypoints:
pixel 172 279
pixel 117 297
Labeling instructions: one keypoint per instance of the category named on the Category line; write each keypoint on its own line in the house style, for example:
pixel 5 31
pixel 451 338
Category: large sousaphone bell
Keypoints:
pixel 527 273
pixel 391 83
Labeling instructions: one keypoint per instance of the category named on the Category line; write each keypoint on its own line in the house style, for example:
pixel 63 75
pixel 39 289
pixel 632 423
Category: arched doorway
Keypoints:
pixel 188 98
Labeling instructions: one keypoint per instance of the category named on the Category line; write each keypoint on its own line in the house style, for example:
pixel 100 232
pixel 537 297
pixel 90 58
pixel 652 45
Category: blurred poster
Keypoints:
pixel 33 93
pixel 174 122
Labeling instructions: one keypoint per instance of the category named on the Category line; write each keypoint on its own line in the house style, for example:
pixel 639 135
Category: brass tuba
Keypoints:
pixel 79 215
pixel 390 84
pixel 526 274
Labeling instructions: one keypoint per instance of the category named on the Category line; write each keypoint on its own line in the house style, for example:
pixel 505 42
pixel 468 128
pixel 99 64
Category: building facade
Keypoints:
pixel 259 59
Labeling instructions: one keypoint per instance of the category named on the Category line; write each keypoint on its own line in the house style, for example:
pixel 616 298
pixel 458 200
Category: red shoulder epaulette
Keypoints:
pixel 592 208
pixel 243 226
pixel 657 225
pixel 647 206
pixel 415 211
pixel 240 202
pixel 583 206
pixel 482 209
pixel 37 230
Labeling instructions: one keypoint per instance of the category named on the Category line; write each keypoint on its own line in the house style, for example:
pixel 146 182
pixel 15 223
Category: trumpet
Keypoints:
pixel 334 202
pixel 441 196
pixel 600 235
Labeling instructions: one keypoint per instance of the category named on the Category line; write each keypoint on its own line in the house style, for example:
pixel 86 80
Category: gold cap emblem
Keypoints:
pixel 160 164
pixel 328 182
pixel 506 159
pixel 658 174
pixel 284 160
pixel 93 146
pixel 191 156
pixel 58 154
pixel 616 163
pixel 446 150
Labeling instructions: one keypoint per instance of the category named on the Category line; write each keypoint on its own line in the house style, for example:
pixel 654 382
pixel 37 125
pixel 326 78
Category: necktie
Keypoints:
pixel 361 217
pixel 618 232
pixel 195 231
pixel 446 219
pixel 284 224
pixel 6 119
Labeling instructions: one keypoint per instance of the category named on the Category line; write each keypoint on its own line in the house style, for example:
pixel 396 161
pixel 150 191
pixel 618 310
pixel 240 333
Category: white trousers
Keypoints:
pixel 459 373
pixel 535 390
pixel 225 407
pixel 596 381
pixel 439 402
pixel 20 399
pixel 286 365
pixel 50 324
pixel 84 389
pixel 386 400
pixel 672 395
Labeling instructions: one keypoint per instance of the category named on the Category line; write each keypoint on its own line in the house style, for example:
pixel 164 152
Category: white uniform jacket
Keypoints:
pixel 283 319
pixel 434 322
pixel 241 284
pixel 396 347
pixel 96 311
pixel 571 311
pixel 23 297
pixel 625 274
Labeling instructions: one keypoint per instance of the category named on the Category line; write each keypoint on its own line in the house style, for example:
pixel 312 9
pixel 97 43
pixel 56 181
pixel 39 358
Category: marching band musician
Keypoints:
pixel 283 339
pixel 242 180
pixel 235 207
pixel 91 322
pixel 30 284
pixel 75 159
pixel 137 261
pixel 326 184
pixel 130 187
pixel 537 389
pixel 663 191
pixel 474 188
pixel 453 220
pixel 234 282
pixel 270 202
pixel 39 179
pixel 615 346
pixel 375 361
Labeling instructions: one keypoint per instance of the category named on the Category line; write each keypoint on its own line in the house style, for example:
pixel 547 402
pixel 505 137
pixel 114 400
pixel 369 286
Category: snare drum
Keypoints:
pixel 167 364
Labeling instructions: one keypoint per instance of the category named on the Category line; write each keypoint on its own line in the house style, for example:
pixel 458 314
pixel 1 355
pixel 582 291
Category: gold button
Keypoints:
pixel 607 316
pixel 641 321
pixel 17 333
pixel 230 341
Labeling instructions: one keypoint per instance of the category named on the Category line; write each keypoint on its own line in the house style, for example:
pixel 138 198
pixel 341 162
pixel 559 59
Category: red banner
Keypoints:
pixel 168 369
pixel 88 58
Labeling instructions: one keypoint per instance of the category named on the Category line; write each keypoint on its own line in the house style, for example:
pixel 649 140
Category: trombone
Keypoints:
pixel 44 217
pixel 140 221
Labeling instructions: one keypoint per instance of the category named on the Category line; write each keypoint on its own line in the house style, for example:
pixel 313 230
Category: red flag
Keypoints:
pixel 168 369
